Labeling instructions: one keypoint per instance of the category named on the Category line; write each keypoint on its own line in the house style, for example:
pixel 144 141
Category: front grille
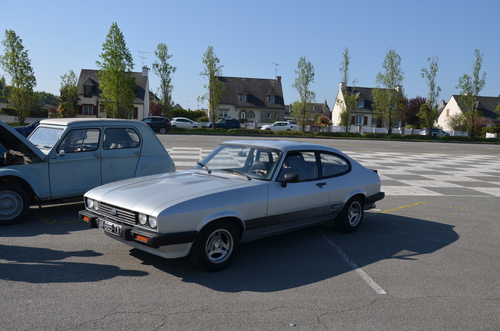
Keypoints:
pixel 116 214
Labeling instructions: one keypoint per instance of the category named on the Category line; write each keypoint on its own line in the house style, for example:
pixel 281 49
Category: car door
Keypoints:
pixel 75 164
pixel 120 153
pixel 301 203
pixel 334 170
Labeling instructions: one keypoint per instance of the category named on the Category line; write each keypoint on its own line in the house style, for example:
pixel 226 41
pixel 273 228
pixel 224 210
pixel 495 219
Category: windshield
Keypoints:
pixel 251 161
pixel 44 138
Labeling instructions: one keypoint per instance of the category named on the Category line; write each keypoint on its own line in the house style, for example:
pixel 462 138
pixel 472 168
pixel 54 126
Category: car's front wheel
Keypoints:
pixel 351 215
pixel 163 130
pixel 14 202
pixel 215 247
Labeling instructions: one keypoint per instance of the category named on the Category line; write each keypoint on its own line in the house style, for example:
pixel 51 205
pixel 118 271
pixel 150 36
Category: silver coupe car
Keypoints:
pixel 242 191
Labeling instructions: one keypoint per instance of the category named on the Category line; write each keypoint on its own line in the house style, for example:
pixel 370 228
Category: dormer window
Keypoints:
pixel 361 103
pixel 87 91
pixel 243 97
pixel 272 99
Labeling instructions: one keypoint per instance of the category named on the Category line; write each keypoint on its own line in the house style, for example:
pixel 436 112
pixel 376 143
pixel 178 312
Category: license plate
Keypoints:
pixel 110 227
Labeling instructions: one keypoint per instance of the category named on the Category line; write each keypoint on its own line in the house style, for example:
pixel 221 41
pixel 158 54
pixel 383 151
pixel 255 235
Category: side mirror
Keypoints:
pixel 290 178
pixel 61 152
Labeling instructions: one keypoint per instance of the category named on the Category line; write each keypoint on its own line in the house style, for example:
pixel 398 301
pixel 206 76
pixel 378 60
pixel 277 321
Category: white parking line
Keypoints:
pixel 354 266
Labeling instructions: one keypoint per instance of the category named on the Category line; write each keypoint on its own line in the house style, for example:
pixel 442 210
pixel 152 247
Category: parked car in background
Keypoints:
pixel 26 130
pixel 226 123
pixel 65 157
pixel 242 191
pixel 436 132
pixel 158 123
pixel 184 123
pixel 280 125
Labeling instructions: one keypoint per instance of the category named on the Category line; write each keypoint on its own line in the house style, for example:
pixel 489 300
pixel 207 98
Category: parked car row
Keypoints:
pixel 242 191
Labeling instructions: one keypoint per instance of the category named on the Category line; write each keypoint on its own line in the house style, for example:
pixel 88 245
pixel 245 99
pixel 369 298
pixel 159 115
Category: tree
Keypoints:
pixel 165 71
pixel 470 89
pixel 68 100
pixel 116 80
pixel 350 98
pixel 301 109
pixel 387 95
pixel 17 65
pixel 429 112
pixel 215 87
pixel 409 114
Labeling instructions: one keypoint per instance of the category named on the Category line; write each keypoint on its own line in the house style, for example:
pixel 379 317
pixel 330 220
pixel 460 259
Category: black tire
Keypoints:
pixel 215 246
pixel 351 216
pixel 174 126
pixel 14 203
pixel 163 130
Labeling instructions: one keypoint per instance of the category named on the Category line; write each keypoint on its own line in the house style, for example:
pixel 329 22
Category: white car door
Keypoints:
pixel 301 203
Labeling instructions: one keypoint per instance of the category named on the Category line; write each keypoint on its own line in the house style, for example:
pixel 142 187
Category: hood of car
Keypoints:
pixel 146 194
pixel 13 140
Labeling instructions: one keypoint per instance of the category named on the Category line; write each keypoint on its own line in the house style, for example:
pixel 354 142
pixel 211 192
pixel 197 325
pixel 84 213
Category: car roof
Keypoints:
pixel 75 120
pixel 283 145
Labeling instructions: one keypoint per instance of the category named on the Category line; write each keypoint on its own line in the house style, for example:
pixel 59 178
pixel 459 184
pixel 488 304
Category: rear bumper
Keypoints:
pixel 144 237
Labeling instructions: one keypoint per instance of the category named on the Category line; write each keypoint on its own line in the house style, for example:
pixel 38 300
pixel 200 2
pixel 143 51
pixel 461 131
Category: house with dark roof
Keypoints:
pixel 252 100
pixel 484 105
pixel 363 115
pixel 89 94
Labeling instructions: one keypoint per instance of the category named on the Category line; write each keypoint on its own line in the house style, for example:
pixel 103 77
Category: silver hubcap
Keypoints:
pixel 219 246
pixel 354 214
pixel 11 205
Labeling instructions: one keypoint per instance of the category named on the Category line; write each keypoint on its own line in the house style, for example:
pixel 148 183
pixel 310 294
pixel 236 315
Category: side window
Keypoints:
pixel 333 165
pixel 121 138
pixel 81 140
pixel 302 163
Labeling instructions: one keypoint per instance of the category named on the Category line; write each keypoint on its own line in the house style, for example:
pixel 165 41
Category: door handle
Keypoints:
pixel 320 185
pixel 97 156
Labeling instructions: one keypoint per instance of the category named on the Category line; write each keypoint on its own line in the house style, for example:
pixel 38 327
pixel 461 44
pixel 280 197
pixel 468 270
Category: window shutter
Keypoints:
pixel 365 120
pixel 353 119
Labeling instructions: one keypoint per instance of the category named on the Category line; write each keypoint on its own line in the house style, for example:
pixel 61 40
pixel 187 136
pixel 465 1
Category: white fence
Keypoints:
pixel 363 130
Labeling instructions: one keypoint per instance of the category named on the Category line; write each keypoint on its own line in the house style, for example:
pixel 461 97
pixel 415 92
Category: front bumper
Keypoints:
pixel 144 237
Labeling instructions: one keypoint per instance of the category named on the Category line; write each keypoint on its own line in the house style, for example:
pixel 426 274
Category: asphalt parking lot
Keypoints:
pixel 422 260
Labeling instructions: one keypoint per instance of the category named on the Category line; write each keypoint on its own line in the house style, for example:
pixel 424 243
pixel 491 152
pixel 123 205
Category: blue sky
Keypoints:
pixel 250 36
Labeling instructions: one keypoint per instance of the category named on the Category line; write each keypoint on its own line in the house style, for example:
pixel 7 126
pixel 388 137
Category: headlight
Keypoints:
pixel 153 222
pixel 143 219
pixel 90 203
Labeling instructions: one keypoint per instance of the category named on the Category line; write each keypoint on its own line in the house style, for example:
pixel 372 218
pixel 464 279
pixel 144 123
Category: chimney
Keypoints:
pixel 145 71
pixel 278 79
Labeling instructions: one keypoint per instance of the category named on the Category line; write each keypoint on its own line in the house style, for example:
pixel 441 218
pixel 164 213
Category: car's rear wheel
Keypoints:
pixel 163 130
pixel 14 202
pixel 351 216
pixel 215 246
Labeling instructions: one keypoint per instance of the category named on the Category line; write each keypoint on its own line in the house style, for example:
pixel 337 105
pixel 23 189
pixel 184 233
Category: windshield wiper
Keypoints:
pixel 204 166
pixel 237 172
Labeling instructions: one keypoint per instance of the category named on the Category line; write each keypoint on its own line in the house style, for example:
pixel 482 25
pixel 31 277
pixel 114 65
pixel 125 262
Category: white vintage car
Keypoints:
pixel 64 158
pixel 244 190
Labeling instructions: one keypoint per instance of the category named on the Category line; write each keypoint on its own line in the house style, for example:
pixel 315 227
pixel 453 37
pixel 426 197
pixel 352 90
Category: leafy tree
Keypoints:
pixel 301 109
pixel 17 65
pixel 165 71
pixel 215 87
pixel 470 87
pixel 350 98
pixel 116 79
pixel 429 112
pixel 387 95
pixel 411 109
pixel 155 108
pixel 2 89
pixel 68 100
